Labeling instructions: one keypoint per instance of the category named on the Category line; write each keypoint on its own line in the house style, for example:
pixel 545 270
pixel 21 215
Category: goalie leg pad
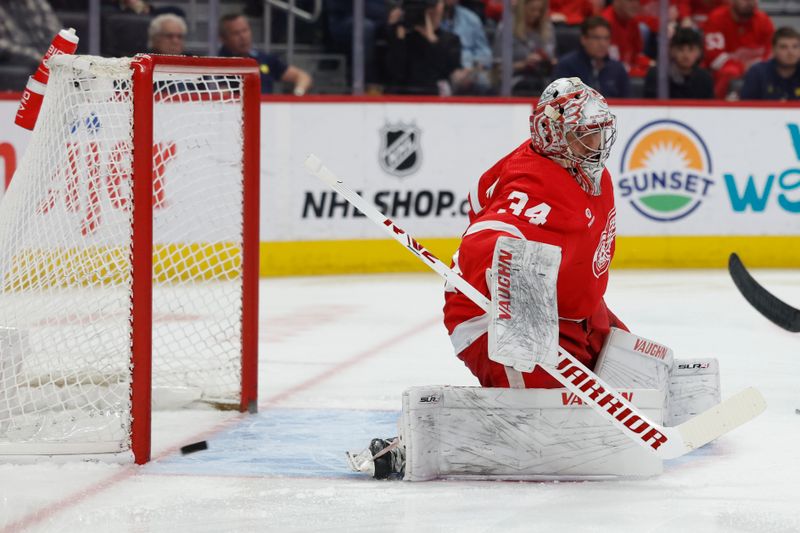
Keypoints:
pixel 693 388
pixel 518 434
pixel 629 361
pixel 523 326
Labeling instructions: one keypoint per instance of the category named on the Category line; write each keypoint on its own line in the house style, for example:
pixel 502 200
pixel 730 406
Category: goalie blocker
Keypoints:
pixel 523 325
pixel 540 434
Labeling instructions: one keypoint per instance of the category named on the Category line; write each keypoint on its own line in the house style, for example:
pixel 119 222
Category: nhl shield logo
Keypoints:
pixel 400 153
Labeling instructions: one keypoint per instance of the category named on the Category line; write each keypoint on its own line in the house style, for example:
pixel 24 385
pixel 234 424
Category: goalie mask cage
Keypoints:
pixel 129 253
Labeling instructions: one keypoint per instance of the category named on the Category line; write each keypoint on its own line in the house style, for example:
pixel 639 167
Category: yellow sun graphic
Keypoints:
pixel 660 143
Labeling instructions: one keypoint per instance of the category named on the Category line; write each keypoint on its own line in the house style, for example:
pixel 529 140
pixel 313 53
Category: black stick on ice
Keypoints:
pixel 779 312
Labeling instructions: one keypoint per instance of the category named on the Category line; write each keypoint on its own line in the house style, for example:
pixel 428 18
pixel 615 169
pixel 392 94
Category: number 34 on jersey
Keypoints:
pixel 536 214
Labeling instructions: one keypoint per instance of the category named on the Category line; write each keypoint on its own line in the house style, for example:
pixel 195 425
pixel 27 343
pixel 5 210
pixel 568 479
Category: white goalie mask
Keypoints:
pixel 572 125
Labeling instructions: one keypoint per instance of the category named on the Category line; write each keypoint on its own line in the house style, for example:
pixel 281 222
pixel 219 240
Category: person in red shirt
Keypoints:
pixel 626 37
pixel 493 9
pixel 554 189
pixel 701 9
pixel 737 36
pixel 679 13
pixel 572 12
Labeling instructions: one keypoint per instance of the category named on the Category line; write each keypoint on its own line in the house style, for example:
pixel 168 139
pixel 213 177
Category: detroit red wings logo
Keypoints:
pixel 602 256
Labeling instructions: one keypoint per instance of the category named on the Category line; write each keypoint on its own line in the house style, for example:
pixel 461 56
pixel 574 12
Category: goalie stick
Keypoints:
pixel 665 442
pixel 779 312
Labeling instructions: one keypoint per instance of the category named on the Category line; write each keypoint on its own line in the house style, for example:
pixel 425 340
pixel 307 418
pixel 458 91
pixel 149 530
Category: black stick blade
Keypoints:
pixel 779 312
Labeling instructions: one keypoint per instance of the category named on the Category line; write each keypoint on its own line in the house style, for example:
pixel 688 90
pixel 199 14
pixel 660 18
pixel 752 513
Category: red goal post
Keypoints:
pixel 144 67
pixel 129 250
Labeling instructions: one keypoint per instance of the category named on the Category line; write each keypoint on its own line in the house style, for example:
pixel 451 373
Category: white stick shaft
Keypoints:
pixel 370 211
pixel 665 442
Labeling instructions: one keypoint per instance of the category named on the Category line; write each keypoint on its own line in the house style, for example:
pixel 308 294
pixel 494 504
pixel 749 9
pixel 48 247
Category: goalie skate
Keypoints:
pixel 381 459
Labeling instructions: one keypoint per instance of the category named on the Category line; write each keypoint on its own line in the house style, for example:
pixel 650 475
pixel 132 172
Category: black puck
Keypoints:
pixel 196 447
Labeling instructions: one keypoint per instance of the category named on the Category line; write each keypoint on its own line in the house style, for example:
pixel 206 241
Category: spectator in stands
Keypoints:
pixel 140 7
pixel 778 78
pixel 592 64
pixel 26 29
pixel 421 57
pixel 534 47
pixel 476 55
pixel 574 12
pixel 679 14
pixel 700 9
pixel 493 11
pixel 166 35
pixel 339 16
pixel 686 78
pixel 627 45
pixel 737 35
pixel 237 41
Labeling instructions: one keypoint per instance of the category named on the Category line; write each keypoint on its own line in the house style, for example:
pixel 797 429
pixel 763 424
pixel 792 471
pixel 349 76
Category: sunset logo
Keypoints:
pixel 665 171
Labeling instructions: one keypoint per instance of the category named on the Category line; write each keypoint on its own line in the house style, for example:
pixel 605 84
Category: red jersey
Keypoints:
pixel 573 11
pixel 678 10
pixel 530 196
pixel 626 43
pixel 701 9
pixel 737 45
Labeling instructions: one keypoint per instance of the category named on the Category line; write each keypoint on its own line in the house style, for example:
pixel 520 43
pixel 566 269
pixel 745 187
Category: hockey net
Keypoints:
pixel 128 253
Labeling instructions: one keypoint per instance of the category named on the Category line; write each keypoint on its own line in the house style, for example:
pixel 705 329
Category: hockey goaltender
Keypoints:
pixel 539 243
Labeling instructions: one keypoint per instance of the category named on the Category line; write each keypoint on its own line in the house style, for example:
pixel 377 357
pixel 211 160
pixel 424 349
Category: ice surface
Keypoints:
pixel 336 353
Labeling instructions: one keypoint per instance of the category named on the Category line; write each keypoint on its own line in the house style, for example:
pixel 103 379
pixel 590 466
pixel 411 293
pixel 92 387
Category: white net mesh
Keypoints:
pixel 65 256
